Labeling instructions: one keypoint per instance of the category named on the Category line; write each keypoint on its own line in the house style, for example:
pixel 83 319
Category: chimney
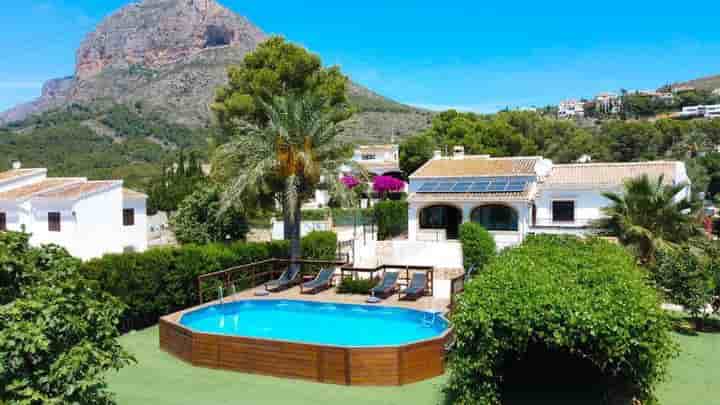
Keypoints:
pixel 16 165
pixel 438 154
pixel 459 152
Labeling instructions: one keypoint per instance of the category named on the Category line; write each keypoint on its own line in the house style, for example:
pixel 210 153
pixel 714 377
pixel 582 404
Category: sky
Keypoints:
pixel 467 54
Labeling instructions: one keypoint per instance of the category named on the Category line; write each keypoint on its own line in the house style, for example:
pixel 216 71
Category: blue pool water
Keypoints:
pixel 319 323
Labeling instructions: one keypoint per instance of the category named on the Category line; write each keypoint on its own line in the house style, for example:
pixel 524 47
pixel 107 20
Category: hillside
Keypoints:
pixel 169 56
pixel 709 83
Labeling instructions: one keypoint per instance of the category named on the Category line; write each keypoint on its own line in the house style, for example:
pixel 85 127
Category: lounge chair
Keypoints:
pixel 416 289
pixel 289 278
pixel 387 286
pixel 323 280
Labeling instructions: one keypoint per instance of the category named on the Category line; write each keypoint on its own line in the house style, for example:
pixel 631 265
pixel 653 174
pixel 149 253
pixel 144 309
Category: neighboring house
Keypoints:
pixel 88 218
pixel 608 103
pixel 517 196
pixel 379 160
pixel 571 109
pixel 699 111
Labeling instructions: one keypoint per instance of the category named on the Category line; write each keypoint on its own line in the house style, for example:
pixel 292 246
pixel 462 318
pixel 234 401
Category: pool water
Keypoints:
pixel 317 323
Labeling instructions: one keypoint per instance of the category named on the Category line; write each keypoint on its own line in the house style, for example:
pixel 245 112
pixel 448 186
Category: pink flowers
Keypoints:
pixel 350 182
pixel 384 184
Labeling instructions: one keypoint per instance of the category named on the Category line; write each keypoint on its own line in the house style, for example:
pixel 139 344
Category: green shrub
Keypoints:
pixel 200 219
pixel 391 218
pixel 358 286
pixel 689 276
pixel 164 280
pixel 478 245
pixel 587 299
pixel 353 216
pixel 320 245
pixel 315 215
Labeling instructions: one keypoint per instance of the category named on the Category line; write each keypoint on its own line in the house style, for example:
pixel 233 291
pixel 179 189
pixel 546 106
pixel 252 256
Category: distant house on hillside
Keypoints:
pixel 516 196
pixel 608 103
pixel 379 160
pixel 88 218
pixel 571 109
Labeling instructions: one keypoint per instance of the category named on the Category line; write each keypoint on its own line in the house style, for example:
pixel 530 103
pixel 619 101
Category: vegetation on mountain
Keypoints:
pixel 58 338
pixel 648 215
pixel 581 309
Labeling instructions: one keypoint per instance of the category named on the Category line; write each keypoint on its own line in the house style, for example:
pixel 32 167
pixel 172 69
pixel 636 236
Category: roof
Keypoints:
pixel 133 195
pixel 435 197
pixel 18 173
pixel 478 166
pixel 77 191
pixel 609 174
pixel 24 192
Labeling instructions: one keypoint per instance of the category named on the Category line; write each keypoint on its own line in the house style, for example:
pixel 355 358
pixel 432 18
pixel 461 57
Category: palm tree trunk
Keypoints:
pixel 292 216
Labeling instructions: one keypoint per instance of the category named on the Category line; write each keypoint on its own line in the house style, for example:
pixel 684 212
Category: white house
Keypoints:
pixel 517 196
pixel 707 111
pixel 379 160
pixel 571 109
pixel 88 218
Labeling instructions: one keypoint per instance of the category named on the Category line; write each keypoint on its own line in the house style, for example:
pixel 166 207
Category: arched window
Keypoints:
pixel 496 217
pixel 441 217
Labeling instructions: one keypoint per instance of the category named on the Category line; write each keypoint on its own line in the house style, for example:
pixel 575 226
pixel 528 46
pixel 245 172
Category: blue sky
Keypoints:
pixel 471 55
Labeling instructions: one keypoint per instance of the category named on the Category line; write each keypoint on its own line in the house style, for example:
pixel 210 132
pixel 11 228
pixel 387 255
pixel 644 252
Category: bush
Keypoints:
pixel 200 219
pixel 585 298
pixel 164 280
pixel 358 286
pixel 320 245
pixel 391 218
pixel 478 245
pixel 353 216
pixel 315 215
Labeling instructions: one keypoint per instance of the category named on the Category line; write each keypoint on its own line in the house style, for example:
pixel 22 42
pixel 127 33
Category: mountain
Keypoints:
pixel 710 83
pixel 170 55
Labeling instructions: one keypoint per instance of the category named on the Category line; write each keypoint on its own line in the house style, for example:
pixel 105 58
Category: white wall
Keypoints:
pixel 278 228
pixel 588 205
pixel 38 226
pixel 99 219
pixel 135 237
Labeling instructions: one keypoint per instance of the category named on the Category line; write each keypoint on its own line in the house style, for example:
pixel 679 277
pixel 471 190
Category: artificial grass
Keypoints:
pixel 160 379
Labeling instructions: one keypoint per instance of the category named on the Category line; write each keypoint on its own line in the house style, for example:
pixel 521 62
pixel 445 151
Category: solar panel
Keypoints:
pixel 515 187
pixel 427 187
pixel 444 187
pixel 479 187
pixel 461 187
pixel 495 187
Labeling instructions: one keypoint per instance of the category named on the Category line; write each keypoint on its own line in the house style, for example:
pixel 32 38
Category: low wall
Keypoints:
pixel 383 366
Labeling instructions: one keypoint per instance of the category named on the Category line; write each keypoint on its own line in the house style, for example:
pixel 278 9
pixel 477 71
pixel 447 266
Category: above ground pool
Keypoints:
pixel 317 323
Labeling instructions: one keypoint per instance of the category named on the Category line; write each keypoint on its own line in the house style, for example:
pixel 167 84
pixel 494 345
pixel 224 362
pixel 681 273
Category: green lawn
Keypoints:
pixel 160 379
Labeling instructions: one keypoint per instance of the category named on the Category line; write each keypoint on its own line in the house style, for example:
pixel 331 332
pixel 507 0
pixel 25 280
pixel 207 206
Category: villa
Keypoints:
pixel 88 218
pixel 516 196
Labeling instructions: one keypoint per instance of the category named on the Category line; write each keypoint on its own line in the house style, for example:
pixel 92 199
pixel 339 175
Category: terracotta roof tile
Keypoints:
pixel 476 166
pixel 43 186
pixel 77 191
pixel 609 174
pixel 17 173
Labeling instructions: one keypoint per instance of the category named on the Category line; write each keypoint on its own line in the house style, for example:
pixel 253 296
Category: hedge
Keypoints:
pixel 353 216
pixel 163 280
pixel 391 218
pixel 582 298
pixel 358 286
pixel 315 214
pixel 478 245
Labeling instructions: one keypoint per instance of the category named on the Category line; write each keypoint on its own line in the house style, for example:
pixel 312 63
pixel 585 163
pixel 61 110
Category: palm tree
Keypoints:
pixel 287 158
pixel 647 215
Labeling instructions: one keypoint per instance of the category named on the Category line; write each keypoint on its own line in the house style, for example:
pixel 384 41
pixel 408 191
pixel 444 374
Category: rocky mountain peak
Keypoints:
pixel 154 33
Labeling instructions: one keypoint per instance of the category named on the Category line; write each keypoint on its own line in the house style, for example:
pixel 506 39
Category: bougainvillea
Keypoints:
pixel 384 184
pixel 350 182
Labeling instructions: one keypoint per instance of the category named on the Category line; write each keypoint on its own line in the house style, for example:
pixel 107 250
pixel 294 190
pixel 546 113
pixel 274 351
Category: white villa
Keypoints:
pixel 379 160
pixel 514 197
pixel 88 218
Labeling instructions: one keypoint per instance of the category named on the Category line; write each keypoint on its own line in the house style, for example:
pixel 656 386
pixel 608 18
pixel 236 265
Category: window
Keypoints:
pixel 129 217
pixel 54 221
pixel 495 217
pixel 3 221
pixel 368 156
pixel 563 211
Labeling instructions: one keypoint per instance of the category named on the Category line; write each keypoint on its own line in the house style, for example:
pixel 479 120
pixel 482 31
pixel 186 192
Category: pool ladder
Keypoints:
pixel 429 319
